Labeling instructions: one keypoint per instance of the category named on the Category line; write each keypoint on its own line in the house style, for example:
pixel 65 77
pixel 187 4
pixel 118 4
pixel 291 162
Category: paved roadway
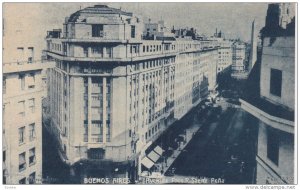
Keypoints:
pixel 224 150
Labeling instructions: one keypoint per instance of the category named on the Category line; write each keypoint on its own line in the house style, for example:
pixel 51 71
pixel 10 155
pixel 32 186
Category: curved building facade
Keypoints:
pixel 112 93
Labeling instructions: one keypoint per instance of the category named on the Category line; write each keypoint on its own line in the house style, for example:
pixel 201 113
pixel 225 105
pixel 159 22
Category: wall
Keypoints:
pixel 285 167
pixel 279 53
pixel 12 121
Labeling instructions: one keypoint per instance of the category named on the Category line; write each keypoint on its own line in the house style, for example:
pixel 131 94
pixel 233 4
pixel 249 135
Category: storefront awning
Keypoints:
pixel 147 162
pixel 153 156
pixel 158 150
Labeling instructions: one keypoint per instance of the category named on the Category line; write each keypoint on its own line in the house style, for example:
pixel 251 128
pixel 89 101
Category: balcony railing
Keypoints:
pixel 97 138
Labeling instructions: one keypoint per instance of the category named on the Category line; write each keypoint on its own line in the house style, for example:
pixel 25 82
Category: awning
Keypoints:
pixel 158 150
pixel 153 156
pixel 147 162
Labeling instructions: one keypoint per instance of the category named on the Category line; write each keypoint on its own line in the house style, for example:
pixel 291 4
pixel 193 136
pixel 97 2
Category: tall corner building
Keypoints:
pixel 23 91
pixel 271 98
pixel 112 93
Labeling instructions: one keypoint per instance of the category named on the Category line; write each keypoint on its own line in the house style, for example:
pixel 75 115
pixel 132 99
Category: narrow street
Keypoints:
pixel 54 170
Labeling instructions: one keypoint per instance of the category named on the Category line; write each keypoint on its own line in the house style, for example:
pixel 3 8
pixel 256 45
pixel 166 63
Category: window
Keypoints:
pixel 20 54
pixel 273 146
pixel 32 131
pixel 31 81
pixel 32 156
pixel 85 51
pixel 21 135
pixel 22 181
pixel 31 103
pixel 97 50
pixel 132 31
pixel 31 178
pixel 4 174
pixel 22 79
pixel 109 51
pixel 30 53
pixel 97 30
pixel 3 115
pixel 65 149
pixel 4 85
pixel 276 82
pixel 22 161
pixel 21 106
pixel 4 156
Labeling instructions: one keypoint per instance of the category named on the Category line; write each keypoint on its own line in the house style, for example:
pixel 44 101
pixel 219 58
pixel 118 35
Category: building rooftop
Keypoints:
pixel 97 9
pixel 273 27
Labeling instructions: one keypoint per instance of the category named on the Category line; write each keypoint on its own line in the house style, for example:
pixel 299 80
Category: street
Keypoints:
pixel 224 148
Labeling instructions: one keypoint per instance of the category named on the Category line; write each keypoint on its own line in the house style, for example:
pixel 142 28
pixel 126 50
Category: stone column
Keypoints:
pixel 104 110
pixel 104 52
pixel 89 109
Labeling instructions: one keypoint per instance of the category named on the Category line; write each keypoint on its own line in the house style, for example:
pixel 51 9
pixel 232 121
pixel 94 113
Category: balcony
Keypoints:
pixel 102 39
pixel 96 138
pixel 136 50
pixel 273 115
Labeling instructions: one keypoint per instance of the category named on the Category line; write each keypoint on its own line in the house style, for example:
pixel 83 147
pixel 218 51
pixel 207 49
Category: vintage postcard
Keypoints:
pixel 149 93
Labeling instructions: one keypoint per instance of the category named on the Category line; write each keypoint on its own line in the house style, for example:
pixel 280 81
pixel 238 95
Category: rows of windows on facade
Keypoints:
pixel 26 134
pixel 27 81
pixel 134 49
pixel 25 55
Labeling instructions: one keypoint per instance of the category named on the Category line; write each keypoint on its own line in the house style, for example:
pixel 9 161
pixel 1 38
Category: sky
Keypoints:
pixel 233 19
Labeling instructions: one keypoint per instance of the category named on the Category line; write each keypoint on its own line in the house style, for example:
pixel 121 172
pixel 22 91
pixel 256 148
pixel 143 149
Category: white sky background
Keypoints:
pixel 234 19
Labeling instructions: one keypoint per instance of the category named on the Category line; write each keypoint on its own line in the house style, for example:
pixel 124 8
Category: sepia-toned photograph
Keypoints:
pixel 149 93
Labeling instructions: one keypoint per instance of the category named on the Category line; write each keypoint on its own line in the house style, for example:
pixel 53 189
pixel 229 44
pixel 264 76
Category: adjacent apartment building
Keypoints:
pixel 238 57
pixel 112 93
pixel 225 50
pixel 225 54
pixel 272 100
pixel 22 97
